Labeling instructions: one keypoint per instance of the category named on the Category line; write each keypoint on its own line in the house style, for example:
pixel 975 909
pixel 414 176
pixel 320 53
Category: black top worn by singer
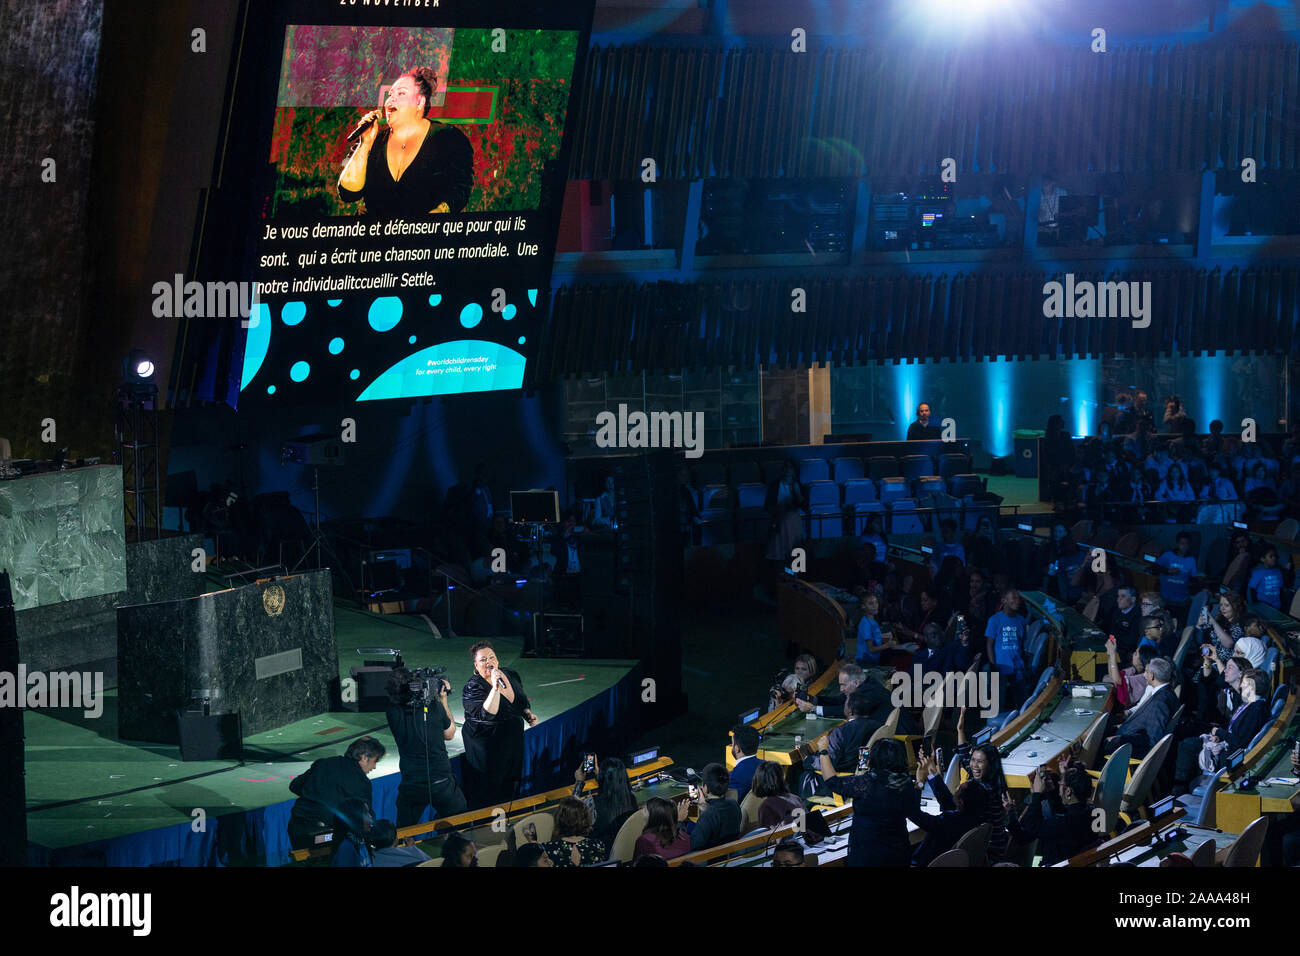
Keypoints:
pixel 494 743
pixel 442 171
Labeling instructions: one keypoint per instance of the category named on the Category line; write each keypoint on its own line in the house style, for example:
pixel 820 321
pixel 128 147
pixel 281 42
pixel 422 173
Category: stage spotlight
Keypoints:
pixel 138 367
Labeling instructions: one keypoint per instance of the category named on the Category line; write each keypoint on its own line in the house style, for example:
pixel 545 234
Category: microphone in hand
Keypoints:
pixel 366 122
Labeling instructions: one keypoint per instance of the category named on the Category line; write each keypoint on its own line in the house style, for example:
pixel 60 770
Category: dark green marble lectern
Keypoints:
pixel 265 651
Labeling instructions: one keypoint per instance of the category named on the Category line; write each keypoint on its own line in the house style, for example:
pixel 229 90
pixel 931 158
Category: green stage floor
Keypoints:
pixel 83 785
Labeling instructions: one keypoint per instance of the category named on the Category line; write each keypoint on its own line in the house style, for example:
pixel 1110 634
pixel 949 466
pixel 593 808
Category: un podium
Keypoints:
pixel 264 651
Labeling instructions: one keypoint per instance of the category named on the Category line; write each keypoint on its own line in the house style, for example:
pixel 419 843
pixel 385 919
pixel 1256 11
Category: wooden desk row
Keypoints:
pixel 486 816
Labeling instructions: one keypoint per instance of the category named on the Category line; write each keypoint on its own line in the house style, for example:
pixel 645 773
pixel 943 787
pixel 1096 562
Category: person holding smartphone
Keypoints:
pixel 884 797
pixel 665 835
pixel 613 801
pixel 958 813
pixel 720 817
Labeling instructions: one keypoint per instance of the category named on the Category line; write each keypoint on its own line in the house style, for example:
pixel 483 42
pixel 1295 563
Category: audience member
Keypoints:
pixel 744 746
pixel 326 786
pixel 1146 721
pixel 720 817
pixel 1061 831
pixel 458 850
pixel 884 799
pixel 779 805
pixel 664 835
pixel 573 844
pixel 958 813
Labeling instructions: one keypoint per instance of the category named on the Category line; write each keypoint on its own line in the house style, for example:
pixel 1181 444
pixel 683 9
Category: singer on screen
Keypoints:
pixel 414 166
pixel 496 709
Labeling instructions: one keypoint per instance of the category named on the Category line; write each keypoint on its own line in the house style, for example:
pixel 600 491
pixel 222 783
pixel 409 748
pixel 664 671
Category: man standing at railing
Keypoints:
pixel 921 429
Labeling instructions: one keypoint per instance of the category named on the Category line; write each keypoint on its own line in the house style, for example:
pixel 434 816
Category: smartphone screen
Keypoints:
pixel 589 764
pixel 862 759
pixel 693 791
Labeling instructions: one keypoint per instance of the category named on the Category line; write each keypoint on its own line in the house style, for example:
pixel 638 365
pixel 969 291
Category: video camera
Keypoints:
pixel 778 693
pixel 425 685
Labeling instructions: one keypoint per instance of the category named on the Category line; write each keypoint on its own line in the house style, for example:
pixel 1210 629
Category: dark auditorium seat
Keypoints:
pixel 814 469
pixel 847 469
pixel 825 513
pixel 709 473
pixel 953 464
pixel 930 485
pixel 717 496
pixel 959 486
pixel 916 466
pixel 892 489
pixel 716 527
pixel 903 518
pixel 882 466
pixel 751 495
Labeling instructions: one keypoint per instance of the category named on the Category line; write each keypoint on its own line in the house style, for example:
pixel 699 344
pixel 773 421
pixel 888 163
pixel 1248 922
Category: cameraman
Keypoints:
pixel 421 734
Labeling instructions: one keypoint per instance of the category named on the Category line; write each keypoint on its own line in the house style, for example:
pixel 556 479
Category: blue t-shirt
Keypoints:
pixel 868 632
pixel 1176 588
pixel 1267 585
pixel 1008 635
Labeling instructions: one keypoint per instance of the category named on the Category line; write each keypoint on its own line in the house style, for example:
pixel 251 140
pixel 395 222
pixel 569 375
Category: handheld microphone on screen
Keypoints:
pixel 365 124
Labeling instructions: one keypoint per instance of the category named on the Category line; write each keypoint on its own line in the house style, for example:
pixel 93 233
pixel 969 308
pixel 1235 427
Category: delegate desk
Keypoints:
pixel 648 780
pixel 1068 719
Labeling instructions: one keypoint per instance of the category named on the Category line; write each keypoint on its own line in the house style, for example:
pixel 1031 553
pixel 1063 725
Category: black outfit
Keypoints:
pixel 943 830
pixel 322 792
pixel 878 835
pixel 1127 628
pixel 426 772
pixel 442 171
pixel 1059 835
pixel 719 823
pixel 1143 728
pixel 882 706
pixel 843 742
pixel 1238 733
pixel 918 432
pixel 494 743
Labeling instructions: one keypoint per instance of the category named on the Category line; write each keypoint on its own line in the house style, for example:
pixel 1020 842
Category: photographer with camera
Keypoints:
pixel 326 787
pixel 421 723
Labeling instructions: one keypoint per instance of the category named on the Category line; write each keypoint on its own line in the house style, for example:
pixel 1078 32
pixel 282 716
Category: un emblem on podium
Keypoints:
pixel 273 600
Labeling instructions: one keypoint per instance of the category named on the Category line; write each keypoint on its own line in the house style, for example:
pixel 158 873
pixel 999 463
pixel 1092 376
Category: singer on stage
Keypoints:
pixel 495 711
pixel 413 167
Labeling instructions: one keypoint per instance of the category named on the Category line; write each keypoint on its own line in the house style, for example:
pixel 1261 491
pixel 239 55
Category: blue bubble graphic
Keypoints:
pixel 532 297
pixel 354 374
pixel 435 299
pixel 508 312
pixel 299 371
pixel 411 340
pixel 293 312
pixel 385 313
pixel 336 345
pixel 471 315
pixel 522 340
pixel 270 389
pixel 332 303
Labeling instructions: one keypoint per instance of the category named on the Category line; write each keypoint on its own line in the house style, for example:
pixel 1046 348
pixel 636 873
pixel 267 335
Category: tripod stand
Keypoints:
pixel 319 543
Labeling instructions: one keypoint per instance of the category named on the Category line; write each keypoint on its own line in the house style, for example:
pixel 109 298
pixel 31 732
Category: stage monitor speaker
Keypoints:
pixel 210 736
pixel 372 688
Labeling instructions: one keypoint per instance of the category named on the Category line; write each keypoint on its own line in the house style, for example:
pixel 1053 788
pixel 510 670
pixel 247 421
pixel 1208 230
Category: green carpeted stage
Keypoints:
pixel 84 786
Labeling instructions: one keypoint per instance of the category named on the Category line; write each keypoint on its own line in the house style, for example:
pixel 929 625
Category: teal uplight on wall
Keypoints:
pixel 907 386
pixel 998 374
pixel 1211 374
pixel 1083 390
